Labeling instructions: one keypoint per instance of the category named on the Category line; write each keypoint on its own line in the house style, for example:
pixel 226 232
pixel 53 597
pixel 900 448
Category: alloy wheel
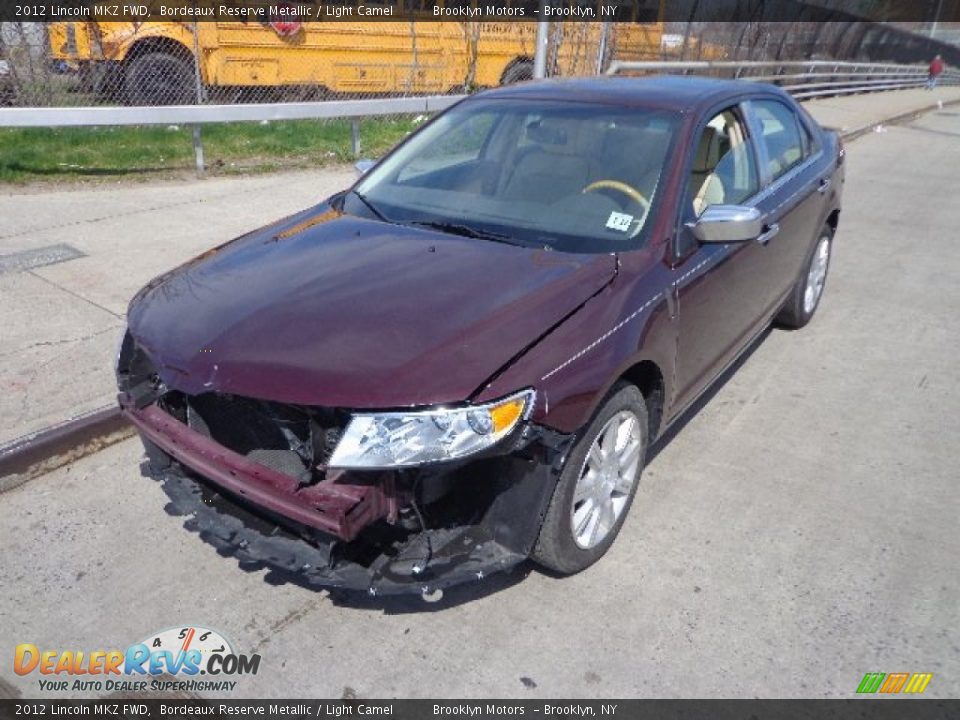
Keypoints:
pixel 606 480
pixel 816 275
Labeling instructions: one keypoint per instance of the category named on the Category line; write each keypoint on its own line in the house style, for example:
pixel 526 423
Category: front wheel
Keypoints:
pixel 597 485
pixel 805 296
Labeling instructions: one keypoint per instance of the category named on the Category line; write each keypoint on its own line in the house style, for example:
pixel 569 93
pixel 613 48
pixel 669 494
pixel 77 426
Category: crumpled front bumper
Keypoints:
pixel 339 509
pixel 346 537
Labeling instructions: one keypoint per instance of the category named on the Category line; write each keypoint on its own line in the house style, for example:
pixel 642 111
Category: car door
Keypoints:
pixel 795 194
pixel 719 288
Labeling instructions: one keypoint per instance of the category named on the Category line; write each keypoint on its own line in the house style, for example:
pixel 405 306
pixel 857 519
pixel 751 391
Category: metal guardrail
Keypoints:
pixel 803 79
pixel 202 114
pixel 197 115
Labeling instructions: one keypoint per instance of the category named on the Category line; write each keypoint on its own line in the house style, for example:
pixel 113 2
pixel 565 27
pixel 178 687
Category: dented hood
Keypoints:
pixel 332 310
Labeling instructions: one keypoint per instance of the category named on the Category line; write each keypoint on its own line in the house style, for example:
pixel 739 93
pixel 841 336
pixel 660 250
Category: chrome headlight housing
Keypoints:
pixel 405 439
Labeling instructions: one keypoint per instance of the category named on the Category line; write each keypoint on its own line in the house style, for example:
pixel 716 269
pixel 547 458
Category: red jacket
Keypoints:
pixel 936 66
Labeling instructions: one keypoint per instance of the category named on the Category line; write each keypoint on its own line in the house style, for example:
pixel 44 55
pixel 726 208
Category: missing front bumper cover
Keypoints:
pixel 338 536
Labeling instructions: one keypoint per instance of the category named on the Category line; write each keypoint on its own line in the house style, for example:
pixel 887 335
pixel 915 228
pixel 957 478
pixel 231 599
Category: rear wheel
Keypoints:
pixel 518 72
pixel 597 485
pixel 806 294
pixel 159 78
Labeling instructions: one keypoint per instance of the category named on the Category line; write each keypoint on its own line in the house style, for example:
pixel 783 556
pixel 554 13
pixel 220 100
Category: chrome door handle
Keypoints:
pixel 768 234
pixel 823 186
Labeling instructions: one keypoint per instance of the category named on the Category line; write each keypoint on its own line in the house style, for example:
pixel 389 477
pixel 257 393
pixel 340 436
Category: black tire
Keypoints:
pixel 556 546
pixel 518 72
pixel 159 78
pixel 795 313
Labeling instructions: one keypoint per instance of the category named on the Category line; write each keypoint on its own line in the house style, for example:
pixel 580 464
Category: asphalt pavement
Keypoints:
pixel 798 531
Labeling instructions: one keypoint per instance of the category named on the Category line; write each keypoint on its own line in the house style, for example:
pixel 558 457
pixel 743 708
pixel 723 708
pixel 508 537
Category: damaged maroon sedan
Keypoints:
pixel 461 362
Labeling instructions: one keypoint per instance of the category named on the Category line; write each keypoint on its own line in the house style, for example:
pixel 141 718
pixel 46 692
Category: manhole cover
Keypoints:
pixel 38 257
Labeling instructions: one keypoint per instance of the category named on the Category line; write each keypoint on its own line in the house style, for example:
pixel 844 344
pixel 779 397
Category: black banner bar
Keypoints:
pixel 478 10
pixel 859 709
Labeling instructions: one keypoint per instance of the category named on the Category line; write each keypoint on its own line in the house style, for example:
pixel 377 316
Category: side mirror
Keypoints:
pixel 727 223
pixel 363 166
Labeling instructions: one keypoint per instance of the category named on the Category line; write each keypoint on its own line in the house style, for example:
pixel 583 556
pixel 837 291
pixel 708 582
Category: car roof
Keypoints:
pixel 674 92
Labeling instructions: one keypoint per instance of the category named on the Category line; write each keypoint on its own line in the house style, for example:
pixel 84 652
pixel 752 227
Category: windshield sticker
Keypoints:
pixel 619 221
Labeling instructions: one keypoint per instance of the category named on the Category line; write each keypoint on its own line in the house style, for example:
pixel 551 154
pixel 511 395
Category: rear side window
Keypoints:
pixel 781 134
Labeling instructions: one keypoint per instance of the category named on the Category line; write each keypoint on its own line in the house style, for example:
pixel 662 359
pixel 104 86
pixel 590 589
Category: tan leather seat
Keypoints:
pixel 705 187
pixel 556 166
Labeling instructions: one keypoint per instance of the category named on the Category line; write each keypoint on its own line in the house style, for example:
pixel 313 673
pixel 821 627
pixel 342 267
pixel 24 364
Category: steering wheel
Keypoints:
pixel 628 190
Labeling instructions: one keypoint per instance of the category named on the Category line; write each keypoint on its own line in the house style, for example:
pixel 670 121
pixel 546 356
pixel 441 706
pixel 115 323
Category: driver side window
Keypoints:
pixel 724 164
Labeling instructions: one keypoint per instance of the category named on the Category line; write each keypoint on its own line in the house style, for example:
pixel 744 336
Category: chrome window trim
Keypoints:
pixel 777 185
pixel 773 185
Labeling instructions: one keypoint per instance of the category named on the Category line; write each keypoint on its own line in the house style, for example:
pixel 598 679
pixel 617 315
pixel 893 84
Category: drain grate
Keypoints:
pixel 38 257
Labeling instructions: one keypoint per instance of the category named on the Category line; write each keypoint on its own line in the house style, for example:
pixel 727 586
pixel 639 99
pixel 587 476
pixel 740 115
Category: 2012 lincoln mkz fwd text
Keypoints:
pixel 461 361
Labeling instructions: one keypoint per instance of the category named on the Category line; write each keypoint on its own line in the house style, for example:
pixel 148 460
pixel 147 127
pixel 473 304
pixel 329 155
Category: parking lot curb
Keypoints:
pixel 40 452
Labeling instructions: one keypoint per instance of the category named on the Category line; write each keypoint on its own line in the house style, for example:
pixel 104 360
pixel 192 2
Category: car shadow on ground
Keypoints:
pixel 701 402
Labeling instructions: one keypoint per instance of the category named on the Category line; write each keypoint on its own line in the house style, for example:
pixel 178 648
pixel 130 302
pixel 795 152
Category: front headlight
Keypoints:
pixel 400 439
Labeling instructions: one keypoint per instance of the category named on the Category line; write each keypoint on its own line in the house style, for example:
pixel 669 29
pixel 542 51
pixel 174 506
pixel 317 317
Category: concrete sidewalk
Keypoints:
pixel 61 322
pixel 852 113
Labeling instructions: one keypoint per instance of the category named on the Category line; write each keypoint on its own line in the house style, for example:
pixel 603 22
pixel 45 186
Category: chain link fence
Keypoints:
pixel 854 40
pixel 168 63
pixel 165 63
pixel 84 64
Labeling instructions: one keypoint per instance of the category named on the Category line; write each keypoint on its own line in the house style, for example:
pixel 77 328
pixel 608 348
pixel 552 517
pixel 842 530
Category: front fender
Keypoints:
pixel 574 366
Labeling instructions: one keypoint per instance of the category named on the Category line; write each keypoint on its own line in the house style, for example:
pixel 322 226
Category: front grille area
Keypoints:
pixel 293 440
pixel 271 455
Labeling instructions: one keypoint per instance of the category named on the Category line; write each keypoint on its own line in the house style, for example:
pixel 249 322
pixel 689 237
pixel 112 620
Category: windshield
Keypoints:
pixel 575 177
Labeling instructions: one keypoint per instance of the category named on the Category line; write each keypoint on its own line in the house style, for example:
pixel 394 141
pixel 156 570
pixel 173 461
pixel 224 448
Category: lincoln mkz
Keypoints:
pixel 461 362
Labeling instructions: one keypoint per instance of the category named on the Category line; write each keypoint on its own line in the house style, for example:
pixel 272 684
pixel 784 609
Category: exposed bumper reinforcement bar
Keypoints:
pixel 341 510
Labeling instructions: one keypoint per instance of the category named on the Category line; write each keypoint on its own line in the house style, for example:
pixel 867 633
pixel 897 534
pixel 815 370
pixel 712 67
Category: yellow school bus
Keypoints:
pixel 149 63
